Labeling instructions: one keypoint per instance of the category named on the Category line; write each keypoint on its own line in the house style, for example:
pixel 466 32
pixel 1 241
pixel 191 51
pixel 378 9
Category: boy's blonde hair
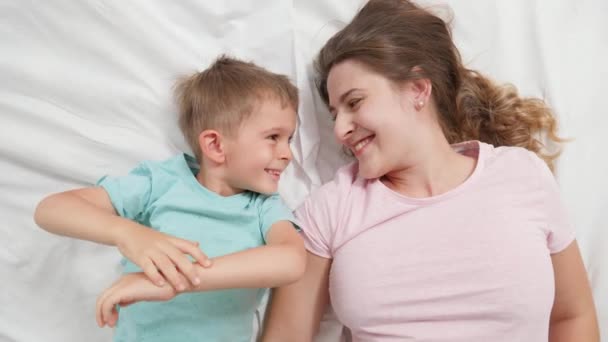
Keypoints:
pixel 226 93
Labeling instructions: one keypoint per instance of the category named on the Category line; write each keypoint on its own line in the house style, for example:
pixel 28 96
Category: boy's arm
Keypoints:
pixel 88 214
pixel 85 214
pixel 130 288
pixel 281 261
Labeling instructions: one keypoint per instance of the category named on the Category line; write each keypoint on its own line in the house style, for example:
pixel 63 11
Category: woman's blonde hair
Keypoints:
pixel 403 41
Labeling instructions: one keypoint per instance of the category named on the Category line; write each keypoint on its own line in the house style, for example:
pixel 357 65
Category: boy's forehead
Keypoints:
pixel 273 107
pixel 271 113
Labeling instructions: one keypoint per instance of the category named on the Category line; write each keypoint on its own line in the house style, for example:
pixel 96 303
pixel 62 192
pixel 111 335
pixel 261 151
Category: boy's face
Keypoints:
pixel 259 152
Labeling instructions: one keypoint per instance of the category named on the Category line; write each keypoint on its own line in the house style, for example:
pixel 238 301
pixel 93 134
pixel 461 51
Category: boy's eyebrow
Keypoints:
pixel 342 97
pixel 273 129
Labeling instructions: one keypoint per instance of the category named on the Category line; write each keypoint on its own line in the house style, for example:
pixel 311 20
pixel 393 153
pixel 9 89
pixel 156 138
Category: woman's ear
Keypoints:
pixel 212 145
pixel 420 89
pixel 421 92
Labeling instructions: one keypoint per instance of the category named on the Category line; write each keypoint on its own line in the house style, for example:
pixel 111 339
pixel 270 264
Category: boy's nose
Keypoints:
pixel 285 153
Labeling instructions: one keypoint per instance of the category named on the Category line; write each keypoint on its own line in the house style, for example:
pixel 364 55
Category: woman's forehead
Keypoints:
pixel 350 74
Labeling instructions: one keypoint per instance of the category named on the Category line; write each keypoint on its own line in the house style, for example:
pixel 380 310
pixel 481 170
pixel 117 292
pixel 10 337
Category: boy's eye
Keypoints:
pixel 273 137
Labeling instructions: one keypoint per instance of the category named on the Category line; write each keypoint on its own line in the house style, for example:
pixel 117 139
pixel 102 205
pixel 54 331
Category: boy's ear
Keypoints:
pixel 212 146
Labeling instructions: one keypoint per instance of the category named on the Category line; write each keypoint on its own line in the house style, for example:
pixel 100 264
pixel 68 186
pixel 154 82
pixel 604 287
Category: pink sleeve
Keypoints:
pixel 317 219
pixel 560 233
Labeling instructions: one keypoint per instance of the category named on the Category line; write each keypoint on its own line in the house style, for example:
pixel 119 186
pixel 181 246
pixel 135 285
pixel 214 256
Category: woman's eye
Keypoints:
pixel 353 103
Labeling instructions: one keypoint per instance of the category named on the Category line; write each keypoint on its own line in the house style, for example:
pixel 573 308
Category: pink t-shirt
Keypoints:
pixel 472 264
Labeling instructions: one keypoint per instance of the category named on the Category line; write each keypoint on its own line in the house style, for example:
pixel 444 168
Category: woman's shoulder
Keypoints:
pixel 520 163
pixel 331 197
pixel 514 157
pixel 345 178
pixel 325 215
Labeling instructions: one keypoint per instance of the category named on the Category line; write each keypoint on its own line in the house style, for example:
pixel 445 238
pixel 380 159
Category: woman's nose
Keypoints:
pixel 343 127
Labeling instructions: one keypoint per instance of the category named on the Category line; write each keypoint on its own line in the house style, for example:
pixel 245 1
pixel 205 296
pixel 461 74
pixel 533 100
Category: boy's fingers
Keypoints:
pixel 113 317
pixel 201 258
pixel 191 248
pixel 183 244
pixel 106 307
pixel 102 310
pixel 184 281
pixel 98 313
pixel 97 318
pixel 99 306
pixel 125 304
pixel 184 266
pixel 152 273
pixel 164 264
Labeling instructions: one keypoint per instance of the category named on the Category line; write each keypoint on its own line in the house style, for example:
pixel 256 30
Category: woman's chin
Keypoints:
pixel 369 172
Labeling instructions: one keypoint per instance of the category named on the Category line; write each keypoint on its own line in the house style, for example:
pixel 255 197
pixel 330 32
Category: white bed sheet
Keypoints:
pixel 85 91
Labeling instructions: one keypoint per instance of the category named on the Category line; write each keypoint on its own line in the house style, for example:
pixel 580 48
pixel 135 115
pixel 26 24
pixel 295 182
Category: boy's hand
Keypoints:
pixel 129 289
pixel 162 256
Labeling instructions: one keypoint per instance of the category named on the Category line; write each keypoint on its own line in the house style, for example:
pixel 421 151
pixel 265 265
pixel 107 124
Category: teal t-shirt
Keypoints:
pixel 167 197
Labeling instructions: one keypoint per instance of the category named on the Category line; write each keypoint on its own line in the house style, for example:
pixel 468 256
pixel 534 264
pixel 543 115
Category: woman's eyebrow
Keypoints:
pixel 342 97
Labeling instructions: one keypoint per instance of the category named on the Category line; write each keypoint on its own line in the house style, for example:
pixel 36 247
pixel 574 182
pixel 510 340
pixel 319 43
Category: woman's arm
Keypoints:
pixel 295 310
pixel 281 261
pixel 573 317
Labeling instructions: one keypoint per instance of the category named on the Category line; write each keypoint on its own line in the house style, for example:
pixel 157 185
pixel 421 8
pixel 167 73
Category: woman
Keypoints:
pixel 448 227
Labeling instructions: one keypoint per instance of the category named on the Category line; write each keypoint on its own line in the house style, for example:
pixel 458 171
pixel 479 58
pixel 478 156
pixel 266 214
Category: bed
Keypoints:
pixel 85 90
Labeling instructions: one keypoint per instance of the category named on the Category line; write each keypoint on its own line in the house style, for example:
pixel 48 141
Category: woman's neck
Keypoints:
pixel 435 169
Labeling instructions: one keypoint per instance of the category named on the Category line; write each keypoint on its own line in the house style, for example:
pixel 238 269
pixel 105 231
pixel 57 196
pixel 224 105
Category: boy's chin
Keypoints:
pixel 265 189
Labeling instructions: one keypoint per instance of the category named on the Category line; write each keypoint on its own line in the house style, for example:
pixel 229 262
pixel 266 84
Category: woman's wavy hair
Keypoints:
pixel 402 41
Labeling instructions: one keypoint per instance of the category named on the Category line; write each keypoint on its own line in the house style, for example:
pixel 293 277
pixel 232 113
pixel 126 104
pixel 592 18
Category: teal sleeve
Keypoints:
pixel 129 194
pixel 273 210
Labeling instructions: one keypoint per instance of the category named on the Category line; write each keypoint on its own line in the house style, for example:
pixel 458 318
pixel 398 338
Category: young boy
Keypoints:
pixel 238 119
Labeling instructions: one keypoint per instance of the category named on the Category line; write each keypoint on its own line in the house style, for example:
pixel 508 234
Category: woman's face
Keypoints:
pixel 374 118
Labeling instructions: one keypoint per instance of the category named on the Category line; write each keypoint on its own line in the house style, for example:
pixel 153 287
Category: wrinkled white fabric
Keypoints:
pixel 85 90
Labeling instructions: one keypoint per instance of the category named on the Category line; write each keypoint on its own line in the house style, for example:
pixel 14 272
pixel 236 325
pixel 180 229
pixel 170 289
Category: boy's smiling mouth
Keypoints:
pixel 274 173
